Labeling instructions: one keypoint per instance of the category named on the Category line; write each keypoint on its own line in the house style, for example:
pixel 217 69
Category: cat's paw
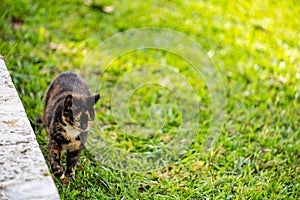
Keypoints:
pixel 58 172
pixel 64 179
pixel 67 177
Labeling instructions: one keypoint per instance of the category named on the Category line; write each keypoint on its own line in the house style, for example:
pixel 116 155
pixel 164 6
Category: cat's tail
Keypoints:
pixel 39 120
pixel 36 124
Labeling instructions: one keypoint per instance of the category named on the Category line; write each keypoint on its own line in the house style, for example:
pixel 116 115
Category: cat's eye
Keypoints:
pixel 76 120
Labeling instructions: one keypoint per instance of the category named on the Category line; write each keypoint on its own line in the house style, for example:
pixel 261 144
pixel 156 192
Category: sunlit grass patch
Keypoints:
pixel 255 44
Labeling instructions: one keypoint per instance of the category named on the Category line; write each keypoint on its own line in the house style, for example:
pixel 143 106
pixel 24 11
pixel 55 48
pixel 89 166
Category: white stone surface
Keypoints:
pixel 23 170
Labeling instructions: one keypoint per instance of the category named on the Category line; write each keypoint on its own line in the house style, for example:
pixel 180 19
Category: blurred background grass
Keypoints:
pixel 255 43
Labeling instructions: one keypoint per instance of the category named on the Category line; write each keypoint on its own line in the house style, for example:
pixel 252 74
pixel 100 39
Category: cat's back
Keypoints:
pixel 64 84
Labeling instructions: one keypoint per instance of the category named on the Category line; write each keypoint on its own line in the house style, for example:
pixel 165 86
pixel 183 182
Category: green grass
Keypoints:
pixel 256 46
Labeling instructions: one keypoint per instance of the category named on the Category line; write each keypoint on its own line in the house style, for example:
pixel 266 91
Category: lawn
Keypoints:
pixel 254 46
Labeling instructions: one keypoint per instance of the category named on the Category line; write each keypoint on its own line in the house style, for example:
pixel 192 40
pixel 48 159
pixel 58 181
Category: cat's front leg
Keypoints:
pixel 55 151
pixel 73 153
pixel 72 160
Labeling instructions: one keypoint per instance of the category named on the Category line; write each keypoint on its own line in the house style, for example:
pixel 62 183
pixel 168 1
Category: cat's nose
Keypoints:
pixel 83 126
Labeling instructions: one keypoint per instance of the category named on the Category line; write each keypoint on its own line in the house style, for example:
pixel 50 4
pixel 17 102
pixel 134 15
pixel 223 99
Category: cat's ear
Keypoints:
pixel 68 101
pixel 97 97
pixel 93 99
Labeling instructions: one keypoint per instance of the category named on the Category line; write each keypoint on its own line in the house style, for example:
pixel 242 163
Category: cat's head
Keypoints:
pixel 79 111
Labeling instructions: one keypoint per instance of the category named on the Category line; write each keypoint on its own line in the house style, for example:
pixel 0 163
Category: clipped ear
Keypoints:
pixel 93 99
pixel 68 101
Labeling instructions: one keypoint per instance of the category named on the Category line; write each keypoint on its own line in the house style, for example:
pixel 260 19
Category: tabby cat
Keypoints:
pixel 68 114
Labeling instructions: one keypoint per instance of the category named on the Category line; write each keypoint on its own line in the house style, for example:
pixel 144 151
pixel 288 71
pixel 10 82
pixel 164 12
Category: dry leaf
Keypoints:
pixel 108 9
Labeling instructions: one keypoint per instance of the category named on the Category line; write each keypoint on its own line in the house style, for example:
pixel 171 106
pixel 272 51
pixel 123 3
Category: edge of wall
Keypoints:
pixel 23 170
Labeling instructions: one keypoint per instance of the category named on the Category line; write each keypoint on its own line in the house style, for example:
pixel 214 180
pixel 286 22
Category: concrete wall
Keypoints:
pixel 23 170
